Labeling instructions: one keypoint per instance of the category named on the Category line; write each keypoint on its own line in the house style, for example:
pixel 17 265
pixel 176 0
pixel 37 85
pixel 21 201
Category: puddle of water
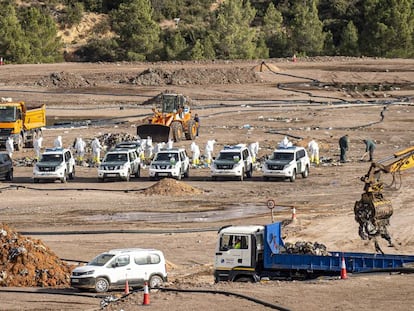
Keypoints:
pixel 227 213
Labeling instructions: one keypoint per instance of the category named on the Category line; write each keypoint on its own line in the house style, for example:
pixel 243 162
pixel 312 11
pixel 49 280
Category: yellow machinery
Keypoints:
pixel 21 123
pixel 372 211
pixel 174 120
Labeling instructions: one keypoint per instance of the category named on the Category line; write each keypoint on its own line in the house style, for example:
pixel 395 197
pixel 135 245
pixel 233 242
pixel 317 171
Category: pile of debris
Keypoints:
pixel 171 187
pixel 303 247
pixel 64 80
pixel 28 262
pixel 111 139
pixel 200 76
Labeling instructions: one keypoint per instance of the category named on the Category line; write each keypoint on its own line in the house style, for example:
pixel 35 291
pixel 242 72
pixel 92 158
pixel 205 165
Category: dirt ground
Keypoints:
pixel 238 102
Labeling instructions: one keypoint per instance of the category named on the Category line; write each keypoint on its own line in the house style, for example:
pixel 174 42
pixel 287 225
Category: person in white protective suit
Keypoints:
pixel 208 151
pixel 148 148
pixel 285 143
pixel 195 149
pixel 37 145
pixel 314 151
pixel 96 151
pixel 80 146
pixel 58 142
pixel 170 144
pixel 10 146
pixel 254 150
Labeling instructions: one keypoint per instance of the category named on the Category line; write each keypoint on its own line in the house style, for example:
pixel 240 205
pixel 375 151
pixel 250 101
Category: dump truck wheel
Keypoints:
pixel 177 131
pixel 191 130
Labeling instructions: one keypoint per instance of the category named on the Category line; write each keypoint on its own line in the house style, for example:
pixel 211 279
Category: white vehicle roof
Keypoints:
pixel 288 149
pixel 232 148
pixel 171 150
pixel 242 229
pixel 131 250
pixel 54 150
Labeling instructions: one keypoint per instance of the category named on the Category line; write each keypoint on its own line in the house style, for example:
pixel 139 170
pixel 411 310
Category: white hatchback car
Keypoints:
pixel 287 163
pixel 113 268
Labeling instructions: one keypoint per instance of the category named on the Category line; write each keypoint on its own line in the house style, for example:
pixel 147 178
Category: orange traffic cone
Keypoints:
pixel 343 269
pixel 146 295
pixel 126 287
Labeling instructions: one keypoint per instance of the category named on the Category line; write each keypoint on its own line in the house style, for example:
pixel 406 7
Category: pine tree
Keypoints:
pixel 231 34
pixel 307 36
pixel 273 31
pixel 138 34
pixel 41 33
pixel 176 47
pixel 14 47
pixel 197 52
pixel 349 42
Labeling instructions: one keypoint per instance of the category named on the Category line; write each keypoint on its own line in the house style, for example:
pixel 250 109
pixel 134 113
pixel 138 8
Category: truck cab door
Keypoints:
pixel 230 255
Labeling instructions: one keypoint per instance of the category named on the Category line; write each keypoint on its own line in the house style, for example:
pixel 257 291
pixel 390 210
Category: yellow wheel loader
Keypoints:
pixel 173 120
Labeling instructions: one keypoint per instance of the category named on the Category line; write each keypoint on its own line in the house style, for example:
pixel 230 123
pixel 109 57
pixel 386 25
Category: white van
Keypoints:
pixel 111 270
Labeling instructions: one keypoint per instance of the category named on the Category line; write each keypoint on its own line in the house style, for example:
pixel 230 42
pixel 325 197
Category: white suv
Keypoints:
pixel 55 164
pixel 120 163
pixel 173 162
pixel 233 161
pixel 287 163
pixel 113 268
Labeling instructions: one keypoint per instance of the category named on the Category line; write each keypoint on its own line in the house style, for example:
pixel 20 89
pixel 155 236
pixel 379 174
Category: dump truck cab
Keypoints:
pixel 239 253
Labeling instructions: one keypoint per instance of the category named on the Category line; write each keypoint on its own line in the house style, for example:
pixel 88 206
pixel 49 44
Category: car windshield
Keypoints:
pixel 100 260
pixel 54 157
pixel 282 156
pixel 7 114
pixel 116 157
pixel 166 156
pixel 232 156
pixel 4 157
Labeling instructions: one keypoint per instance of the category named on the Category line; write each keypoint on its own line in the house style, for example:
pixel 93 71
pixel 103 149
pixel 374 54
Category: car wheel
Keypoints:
pixel 187 173
pixel 72 175
pixel 64 178
pixel 155 281
pixel 9 175
pixel 127 177
pixel 293 177
pixel 101 285
pixel 305 173
pixel 138 173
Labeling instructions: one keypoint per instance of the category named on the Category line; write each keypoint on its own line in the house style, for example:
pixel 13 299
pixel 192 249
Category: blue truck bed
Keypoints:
pixel 355 262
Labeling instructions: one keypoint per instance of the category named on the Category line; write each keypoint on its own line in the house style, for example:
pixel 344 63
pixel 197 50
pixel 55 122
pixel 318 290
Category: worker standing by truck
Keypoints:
pixel 10 147
pixel 96 151
pixel 37 145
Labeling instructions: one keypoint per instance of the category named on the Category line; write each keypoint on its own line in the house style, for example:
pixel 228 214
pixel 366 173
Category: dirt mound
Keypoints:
pixel 169 186
pixel 64 80
pixel 200 76
pixel 28 262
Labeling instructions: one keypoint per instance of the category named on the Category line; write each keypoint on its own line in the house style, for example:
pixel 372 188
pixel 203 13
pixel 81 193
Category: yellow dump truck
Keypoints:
pixel 23 124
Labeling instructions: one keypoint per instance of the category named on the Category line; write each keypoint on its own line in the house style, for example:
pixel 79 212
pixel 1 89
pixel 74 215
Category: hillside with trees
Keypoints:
pixel 161 30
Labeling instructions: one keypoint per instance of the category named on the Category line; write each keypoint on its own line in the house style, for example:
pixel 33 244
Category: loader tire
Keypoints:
pixel 191 132
pixel 177 131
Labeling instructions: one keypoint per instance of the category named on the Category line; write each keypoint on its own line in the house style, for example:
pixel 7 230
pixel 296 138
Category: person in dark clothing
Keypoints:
pixel 382 112
pixel 344 146
pixel 369 149
pixel 197 121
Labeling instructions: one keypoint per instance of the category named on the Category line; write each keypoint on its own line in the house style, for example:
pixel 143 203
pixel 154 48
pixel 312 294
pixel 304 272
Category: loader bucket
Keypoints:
pixel 158 132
